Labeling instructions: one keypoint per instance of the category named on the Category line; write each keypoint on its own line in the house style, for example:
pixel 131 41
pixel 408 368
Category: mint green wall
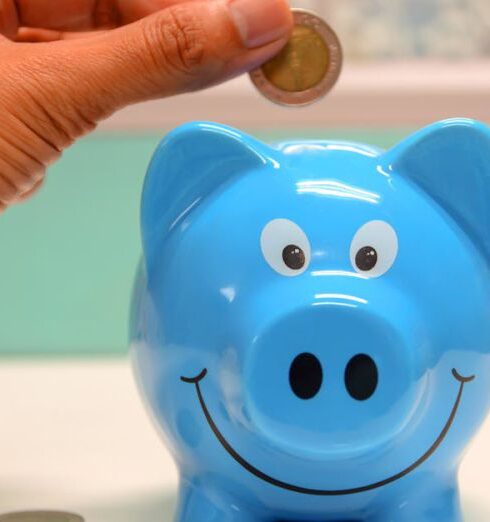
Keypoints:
pixel 68 256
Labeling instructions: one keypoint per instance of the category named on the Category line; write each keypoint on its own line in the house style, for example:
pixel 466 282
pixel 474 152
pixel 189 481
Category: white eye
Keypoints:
pixel 285 247
pixel 374 249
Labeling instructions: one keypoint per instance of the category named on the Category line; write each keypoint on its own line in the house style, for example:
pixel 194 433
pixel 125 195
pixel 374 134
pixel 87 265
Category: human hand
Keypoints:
pixel 67 65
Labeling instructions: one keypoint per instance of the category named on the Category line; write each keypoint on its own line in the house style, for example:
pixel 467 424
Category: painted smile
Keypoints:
pixel 326 492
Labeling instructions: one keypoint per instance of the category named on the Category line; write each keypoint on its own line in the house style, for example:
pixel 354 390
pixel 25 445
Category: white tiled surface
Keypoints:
pixel 74 436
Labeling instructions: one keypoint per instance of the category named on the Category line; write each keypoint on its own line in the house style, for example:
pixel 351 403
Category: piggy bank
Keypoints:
pixel 311 322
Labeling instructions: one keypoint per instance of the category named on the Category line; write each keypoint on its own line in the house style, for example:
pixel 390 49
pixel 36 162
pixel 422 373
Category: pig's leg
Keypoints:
pixel 433 502
pixel 199 505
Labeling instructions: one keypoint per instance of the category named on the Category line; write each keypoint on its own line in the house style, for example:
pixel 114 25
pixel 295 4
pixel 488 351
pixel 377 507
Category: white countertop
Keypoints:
pixel 75 437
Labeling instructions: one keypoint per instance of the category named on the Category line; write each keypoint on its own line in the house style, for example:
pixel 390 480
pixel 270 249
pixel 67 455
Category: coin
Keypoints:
pixel 40 516
pixel 308 66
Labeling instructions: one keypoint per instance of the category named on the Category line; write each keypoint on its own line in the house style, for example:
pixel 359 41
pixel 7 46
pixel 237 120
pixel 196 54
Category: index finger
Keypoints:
pixel 75 15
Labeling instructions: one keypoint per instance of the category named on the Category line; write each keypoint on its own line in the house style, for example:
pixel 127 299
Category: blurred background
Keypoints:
pixel 68 257
pixel 380 30
pixel 70 253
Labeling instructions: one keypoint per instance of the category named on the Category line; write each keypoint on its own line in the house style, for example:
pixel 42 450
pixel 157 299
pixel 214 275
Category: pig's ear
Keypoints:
pixel 450 161
pixel 192 161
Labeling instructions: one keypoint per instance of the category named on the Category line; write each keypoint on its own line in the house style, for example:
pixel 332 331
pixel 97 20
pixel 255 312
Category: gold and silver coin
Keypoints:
pixel 40 516
pixel 308 66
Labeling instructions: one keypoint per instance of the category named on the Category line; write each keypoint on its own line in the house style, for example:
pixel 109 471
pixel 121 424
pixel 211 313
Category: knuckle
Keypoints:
pixel 8 191
pixel 19 170
pixel 51 94
pixel 33 190
pixel 180 39
pixel 22 185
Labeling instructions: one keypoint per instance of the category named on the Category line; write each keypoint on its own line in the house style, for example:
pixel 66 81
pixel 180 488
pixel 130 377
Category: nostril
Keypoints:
pixel 361 377
pixel 306 376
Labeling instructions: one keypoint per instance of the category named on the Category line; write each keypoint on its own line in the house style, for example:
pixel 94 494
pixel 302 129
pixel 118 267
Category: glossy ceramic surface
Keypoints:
pixel 311 321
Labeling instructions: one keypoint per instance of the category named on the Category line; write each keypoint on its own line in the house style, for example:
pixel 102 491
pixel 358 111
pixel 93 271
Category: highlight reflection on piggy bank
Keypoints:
pixel 311 323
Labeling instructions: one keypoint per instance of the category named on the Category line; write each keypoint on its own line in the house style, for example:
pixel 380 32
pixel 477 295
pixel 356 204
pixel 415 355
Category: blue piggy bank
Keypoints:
pixel 311 322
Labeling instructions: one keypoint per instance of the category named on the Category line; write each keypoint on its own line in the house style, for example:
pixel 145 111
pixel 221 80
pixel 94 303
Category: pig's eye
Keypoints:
pixel 374 249
pixel 285 247
pixel 294 257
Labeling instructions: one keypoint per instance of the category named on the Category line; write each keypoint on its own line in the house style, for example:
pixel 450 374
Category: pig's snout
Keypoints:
pixel 335 377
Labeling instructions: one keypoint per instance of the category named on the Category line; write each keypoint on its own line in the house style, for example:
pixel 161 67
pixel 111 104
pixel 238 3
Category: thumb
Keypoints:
pixel 185 47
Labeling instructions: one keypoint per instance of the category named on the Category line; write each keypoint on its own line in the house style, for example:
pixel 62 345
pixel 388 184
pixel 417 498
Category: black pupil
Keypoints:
pixel 293 257
pixel 306 376
pixel 361 377
pixel 366 258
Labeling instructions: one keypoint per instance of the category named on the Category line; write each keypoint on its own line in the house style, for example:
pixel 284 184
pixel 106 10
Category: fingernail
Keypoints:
pixel 260 22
